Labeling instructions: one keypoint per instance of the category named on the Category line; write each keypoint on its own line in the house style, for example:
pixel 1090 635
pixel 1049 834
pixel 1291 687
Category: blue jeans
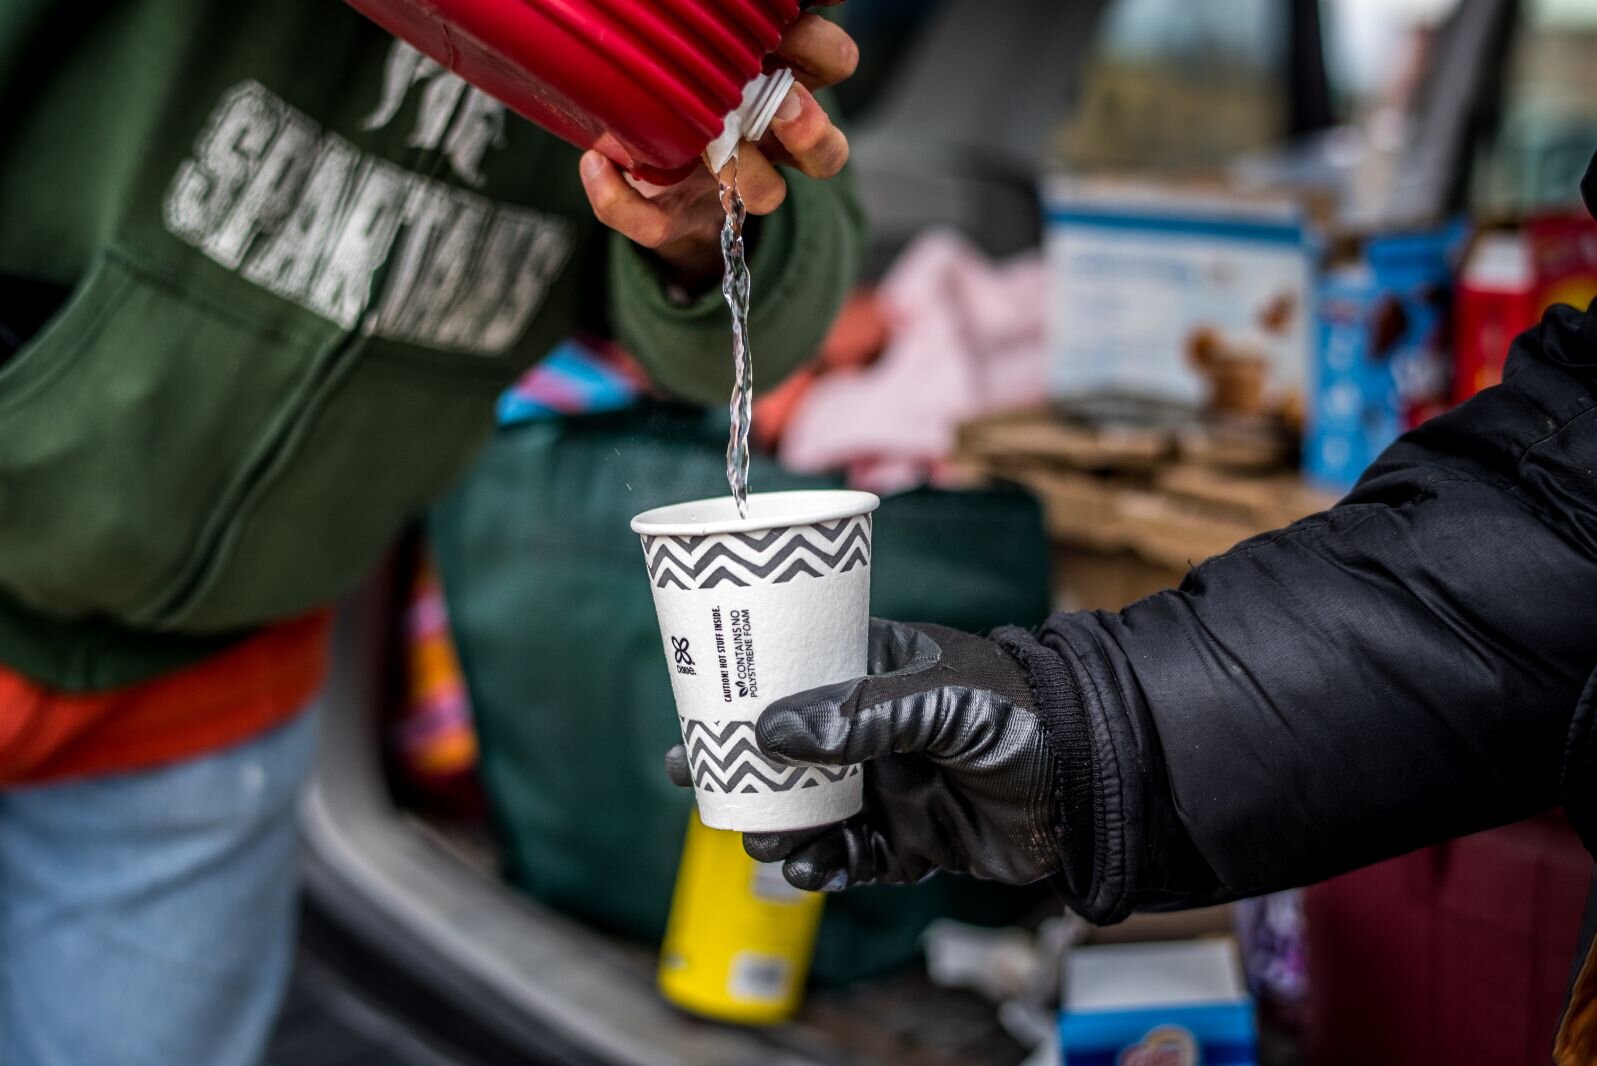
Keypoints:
pixel 147 919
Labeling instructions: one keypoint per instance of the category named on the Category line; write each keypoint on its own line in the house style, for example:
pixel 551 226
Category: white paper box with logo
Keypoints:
pixel 1180 1003
pixel 751 610
pixel 1139 271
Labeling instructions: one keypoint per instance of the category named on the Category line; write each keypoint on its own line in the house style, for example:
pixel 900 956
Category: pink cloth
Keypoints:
pixel 966 340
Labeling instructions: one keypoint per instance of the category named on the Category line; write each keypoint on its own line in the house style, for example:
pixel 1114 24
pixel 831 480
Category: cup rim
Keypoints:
pixel 794 507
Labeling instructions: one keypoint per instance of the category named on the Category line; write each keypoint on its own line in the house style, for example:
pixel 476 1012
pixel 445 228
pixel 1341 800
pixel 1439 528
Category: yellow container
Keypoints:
pixel 739 941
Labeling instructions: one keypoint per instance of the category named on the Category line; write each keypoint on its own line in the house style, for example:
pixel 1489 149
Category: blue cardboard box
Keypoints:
pixel 1383 352
pixel 1172 1004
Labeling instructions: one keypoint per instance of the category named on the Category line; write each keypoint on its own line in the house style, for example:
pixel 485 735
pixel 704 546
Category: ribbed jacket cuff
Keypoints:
pixel 1057 698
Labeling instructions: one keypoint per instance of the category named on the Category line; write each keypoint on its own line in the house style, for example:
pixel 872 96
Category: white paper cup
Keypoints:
pixel 751 610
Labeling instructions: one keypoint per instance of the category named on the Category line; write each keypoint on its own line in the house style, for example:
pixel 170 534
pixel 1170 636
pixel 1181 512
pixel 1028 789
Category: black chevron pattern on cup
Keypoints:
pixel 770 557
pixel 724 757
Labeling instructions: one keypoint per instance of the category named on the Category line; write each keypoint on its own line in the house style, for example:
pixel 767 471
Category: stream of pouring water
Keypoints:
pixel 735 287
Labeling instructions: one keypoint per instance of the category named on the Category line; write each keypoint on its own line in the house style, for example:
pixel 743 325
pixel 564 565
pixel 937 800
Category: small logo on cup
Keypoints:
pixel 684 658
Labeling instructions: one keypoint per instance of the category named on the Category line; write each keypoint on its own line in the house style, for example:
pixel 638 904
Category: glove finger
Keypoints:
pixel 813 728
pixel 774 847
pixel 893 647
pixel 855 721
pixel 823 864
pixel 676 766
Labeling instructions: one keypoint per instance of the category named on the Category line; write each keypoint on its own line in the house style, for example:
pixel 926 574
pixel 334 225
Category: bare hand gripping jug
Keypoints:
pixel 650 83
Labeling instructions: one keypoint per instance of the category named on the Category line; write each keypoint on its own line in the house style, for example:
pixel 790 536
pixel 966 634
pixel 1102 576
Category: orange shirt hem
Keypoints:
pixel 260 682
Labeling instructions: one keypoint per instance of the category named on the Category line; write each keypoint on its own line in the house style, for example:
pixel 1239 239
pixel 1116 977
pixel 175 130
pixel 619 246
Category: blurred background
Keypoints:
pixel 1147 277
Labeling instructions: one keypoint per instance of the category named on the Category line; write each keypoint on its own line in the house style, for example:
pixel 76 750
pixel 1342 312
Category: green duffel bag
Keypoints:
pixel 552 612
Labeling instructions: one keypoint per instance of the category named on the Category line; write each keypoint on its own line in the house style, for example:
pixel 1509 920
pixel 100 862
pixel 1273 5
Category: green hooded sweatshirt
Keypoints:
pixel 303 262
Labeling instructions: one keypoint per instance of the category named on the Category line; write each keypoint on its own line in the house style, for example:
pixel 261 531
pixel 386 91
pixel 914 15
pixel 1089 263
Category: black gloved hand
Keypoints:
pixel 960 775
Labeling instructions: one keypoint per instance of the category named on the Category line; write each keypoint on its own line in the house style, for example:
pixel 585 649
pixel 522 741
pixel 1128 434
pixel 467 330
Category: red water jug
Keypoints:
pixel 650 83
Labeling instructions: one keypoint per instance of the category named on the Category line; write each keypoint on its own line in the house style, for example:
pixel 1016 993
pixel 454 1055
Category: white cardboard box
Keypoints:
pixel 1136 269
pixel 1181 1003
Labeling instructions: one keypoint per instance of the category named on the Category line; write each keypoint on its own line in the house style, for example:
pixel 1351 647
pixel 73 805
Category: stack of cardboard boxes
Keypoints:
pixel 1224 348
pixel 1132 506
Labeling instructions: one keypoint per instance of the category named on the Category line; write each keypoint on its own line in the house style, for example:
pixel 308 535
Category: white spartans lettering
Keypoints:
pixel 477 126
pixel 301 212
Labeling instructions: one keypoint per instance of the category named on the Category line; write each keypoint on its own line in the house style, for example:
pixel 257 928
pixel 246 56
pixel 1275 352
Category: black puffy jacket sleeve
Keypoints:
pixel 1406 667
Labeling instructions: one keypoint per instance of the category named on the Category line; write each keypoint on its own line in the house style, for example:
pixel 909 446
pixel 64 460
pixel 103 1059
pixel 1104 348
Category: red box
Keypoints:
pixel 1509 278
pixel 1460 953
